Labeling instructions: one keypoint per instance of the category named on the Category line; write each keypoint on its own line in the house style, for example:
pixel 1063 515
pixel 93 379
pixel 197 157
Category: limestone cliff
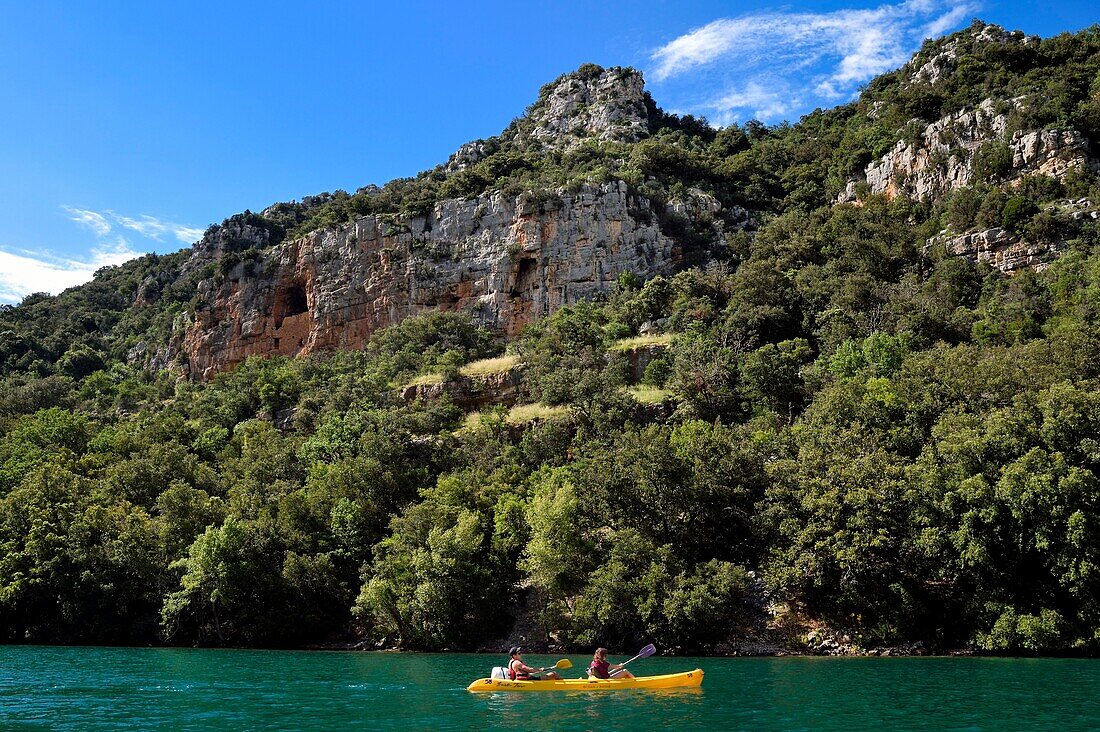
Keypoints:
pixel 512 227
pixel 935 157
pixel 505 259
pixel 997 143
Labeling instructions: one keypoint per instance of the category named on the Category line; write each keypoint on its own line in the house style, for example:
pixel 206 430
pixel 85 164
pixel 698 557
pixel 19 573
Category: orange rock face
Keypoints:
pixel 504 260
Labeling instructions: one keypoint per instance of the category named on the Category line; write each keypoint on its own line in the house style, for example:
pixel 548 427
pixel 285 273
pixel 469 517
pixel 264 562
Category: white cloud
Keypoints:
pixel 103 223
pixel 146 226
pixel 950 19
pixel 91 219
pixel 703 45
pixel 826 55
pixel 23 273
pixel 188 234
pixel 763 102
pixel 156 229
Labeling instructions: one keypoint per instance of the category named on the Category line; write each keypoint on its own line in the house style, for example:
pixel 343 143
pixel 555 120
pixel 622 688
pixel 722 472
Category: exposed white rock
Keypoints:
pixel 941 159
pixel 469 154
pixel 942 64
pixel 1008 251
pixel 1001 249
pixel 609 106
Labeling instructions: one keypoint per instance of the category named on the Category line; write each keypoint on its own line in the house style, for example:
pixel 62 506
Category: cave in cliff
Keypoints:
pixel 290 302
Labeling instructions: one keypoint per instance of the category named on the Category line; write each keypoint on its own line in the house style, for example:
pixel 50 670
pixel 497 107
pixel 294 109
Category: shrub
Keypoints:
pixel 1015 631
pixel 657 372
pixel 1017 213
pixel 992 160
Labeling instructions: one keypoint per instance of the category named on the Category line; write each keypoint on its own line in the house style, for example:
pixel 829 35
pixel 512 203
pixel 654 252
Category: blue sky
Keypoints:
pixel 130 127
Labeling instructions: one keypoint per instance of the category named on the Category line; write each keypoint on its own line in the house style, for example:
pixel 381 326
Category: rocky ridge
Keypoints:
pixel 980 145
pixel 943 62
pixel 470 392
pixel 507 259
pixel 942 157
pixel 937 157
pixel 606 105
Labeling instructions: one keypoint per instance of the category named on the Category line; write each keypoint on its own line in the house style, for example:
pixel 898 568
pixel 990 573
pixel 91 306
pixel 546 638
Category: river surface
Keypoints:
pixel 182 689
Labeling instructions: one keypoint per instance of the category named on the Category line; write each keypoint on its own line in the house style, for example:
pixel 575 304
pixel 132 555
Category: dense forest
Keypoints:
pixel 839 422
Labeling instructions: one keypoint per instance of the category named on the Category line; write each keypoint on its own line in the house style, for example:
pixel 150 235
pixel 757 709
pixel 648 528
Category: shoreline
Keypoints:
pixel 879 652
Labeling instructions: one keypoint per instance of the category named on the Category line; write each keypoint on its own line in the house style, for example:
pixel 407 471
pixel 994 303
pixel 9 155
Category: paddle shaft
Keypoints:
pixel 562 665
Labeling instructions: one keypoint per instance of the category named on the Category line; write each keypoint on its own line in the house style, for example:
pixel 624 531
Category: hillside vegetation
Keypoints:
pixel 842 423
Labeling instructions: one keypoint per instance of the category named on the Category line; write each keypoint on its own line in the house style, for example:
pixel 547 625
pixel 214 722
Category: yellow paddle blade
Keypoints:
pixel 563 664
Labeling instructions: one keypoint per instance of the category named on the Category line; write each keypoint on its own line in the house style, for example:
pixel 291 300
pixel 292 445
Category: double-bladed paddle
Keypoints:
pixel 644 653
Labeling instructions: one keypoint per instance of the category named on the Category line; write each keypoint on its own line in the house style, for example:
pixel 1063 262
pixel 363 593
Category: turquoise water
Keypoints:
pixel 145 688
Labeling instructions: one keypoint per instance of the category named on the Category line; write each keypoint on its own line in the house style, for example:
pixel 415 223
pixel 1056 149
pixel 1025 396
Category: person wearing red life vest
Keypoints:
pixel 601 669
pixel 520 671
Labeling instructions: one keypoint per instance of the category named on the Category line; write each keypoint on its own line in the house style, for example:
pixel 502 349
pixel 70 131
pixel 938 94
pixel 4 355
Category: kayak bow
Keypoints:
pixel 666 681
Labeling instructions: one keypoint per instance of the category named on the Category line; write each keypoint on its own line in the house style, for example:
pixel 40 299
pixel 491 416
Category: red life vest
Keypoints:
pixel 600 669
pixel 517 675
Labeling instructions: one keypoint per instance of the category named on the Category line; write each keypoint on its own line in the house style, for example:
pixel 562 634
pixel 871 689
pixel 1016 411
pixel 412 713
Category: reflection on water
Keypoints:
pixel 590 709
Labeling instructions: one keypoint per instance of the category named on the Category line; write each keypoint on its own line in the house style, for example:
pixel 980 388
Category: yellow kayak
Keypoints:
pixel 665 681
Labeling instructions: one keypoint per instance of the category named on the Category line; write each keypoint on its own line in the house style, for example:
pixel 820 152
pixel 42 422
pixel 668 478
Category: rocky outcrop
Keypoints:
pixel 1009 251
pixel 1050 152
pixel 140 354
pixel 470 154
pixel 507 260
pixel 1001 249
pixel 942 157
pixel 239 233
pixel 592 103
pixel 471 392
pixel 930 70
pixel 604 104
pixel 638 358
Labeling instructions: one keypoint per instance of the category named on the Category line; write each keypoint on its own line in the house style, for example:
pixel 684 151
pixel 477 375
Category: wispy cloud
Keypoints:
pixel 90 219
pixel 950 20
pixel 104 222
pixel 23 273
pixel 771 101
pixel 156 229
pixel 785 61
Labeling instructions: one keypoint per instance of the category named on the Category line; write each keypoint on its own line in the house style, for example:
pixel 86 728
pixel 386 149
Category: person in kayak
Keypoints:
pixel 601 669
pixel 520 671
